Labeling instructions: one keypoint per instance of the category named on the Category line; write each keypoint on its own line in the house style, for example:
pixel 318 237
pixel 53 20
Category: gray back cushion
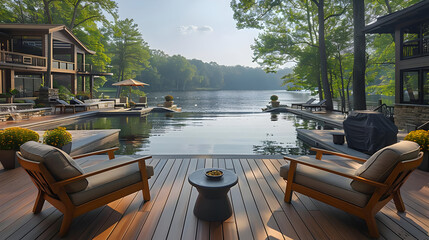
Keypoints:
pixel 62 102
pixel 58 163
pixel 379 166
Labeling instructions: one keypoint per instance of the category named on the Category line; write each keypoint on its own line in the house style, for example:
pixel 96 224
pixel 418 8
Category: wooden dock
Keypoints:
pixel 257 200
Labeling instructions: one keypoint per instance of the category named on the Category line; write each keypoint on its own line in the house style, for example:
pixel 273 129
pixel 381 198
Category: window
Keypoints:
pixel 410 87
pixel 415 40
pixel 27 44
pixel 27 84
pixel 415 86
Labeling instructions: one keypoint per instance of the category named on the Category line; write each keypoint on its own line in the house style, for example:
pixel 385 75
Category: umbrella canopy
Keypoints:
pixel 130 82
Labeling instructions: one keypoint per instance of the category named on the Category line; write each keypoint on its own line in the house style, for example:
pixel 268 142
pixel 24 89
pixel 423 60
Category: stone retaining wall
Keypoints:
pixel 410 116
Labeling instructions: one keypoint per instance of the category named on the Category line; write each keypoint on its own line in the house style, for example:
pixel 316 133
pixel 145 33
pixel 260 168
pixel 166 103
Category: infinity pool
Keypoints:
pixel 204 133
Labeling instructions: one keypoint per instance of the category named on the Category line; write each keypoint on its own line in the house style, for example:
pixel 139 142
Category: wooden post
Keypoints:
pixel 91 86
pixel 50 55
pixel 73 83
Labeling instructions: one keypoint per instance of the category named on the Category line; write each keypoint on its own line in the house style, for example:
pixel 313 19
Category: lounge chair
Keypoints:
pixel 86 106
pixel 142 102
pixel 318 105
pixel 361 192
pixel 75 191
pixel 311 100
pixel 63 106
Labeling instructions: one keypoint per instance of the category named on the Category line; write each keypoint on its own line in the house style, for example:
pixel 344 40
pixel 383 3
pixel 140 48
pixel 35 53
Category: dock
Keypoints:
pixel 126 111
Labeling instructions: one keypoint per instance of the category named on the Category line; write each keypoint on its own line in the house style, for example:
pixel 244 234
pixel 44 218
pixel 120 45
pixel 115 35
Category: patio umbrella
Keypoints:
pixel 131 83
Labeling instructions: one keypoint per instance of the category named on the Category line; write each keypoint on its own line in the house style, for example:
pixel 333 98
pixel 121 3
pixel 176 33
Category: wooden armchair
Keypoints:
pixel 75 191
pixel 361 192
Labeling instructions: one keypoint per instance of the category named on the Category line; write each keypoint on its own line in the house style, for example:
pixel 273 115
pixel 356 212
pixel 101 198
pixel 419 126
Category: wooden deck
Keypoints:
pixel 257 199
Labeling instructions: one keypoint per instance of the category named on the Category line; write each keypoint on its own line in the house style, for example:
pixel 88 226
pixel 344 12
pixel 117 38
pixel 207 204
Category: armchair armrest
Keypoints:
pixel 141 162
pixel 110 151
pixel 294 162
pixel 320 152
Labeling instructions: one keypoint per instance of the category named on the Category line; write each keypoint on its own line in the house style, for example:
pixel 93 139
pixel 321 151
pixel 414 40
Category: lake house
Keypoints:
pixel 410 28
pixel 35 55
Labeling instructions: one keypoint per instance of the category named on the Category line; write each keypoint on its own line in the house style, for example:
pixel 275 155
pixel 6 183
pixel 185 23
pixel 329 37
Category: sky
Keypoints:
pixel 200 29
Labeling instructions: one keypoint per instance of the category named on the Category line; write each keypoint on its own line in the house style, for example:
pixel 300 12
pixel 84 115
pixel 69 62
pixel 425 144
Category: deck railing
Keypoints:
pixel 62 65
pixel 22 59
pixel 84 68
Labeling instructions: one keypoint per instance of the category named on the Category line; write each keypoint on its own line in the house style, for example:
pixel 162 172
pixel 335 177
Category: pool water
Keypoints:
pixel 204 133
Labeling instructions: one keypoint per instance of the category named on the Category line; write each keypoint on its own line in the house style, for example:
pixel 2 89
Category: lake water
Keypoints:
pixel 212 122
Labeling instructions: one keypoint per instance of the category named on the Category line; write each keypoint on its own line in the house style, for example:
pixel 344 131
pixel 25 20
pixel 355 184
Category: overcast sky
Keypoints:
pixel 200 29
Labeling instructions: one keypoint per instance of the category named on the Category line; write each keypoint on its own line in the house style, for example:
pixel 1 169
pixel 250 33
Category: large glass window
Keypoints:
pixel 28 44
pixel 410 86
pixel 27 84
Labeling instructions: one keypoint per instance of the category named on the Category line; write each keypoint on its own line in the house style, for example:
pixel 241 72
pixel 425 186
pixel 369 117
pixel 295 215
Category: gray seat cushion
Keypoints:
pixel 379 166
pixel 110 181
pixel 325 182
pixel 58 163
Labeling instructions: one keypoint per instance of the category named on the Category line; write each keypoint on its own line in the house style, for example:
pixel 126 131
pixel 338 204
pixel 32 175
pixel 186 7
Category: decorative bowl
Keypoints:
pixel 214 173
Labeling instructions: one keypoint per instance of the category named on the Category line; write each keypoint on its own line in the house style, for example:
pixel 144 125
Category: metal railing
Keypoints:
pixel 387 111
pixel 22 59
pixel 62 65
pixel 84 68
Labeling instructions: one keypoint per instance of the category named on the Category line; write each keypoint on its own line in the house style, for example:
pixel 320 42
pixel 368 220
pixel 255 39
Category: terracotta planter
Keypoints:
pixel 275 104
pixel 168 104
pixel 8 159
pixel 424 166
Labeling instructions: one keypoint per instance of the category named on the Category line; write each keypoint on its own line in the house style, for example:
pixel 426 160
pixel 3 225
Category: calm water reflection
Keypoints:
pixel 204 133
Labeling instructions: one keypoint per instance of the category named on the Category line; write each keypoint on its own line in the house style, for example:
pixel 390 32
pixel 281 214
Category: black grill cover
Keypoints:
pixel 369 131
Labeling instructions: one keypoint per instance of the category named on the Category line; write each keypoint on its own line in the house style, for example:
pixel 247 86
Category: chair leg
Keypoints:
pixel 40 200
pixel 397 199
pixel 146 192
pixel 372 227
pixel 288 192
pixel 67 219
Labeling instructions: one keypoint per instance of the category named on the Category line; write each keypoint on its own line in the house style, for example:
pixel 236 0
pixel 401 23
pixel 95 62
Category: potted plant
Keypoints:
pixel 274 102
pixel 422 138
pixel 9 95
pixel 10 141
pixel 168 101
pixel 59 138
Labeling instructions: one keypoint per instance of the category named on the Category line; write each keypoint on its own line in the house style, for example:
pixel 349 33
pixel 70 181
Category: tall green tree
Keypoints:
pixel 129 52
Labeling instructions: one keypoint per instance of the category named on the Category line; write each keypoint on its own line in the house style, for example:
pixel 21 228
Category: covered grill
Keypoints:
pixel 369 131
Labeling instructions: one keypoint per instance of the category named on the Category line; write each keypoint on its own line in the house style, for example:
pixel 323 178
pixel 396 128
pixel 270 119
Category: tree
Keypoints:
pixel 129 52
pixel 322 54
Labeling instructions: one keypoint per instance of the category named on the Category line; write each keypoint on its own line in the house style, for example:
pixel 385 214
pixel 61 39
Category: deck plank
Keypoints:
pixel 259 211
pixel 182 205
pixel 170 205
pixel 189 230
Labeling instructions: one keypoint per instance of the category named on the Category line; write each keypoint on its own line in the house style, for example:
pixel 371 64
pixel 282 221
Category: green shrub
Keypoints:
pixel 57 137
pixel 168 98
pixel 274 98
pixel 12 138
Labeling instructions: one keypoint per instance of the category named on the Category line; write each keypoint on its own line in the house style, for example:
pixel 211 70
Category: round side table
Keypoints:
pixel 213 202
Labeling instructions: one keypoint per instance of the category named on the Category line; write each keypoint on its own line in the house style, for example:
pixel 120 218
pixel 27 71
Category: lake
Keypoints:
pixel 212 122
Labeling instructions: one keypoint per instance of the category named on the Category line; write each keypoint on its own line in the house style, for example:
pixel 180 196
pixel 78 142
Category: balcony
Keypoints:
pixel 13 58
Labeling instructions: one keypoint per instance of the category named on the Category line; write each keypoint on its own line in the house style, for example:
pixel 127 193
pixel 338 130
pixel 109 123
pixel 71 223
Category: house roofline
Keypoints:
pixel 45 28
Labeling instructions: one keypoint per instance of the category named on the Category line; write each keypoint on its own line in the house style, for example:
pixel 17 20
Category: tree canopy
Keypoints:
pixel 304 31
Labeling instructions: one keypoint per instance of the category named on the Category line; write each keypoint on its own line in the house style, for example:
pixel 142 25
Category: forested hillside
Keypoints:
pixel 179 74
